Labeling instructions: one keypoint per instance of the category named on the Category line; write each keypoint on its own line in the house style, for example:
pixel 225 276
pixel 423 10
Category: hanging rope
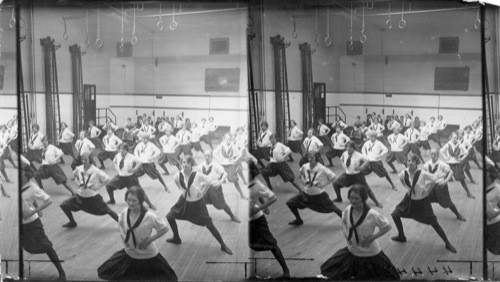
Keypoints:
pixel 121 40
pixel 316 37
pixel 402 22
pixel 87 41
pixel 328 39
pixel 362 39
pixel 159 24
pixel 388 22
pixel 351 44
pixel 477 23
pixel 98 41
pixel 133 40
pixel 173 24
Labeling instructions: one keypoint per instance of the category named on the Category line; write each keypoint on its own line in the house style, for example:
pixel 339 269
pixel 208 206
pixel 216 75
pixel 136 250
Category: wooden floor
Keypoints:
pixel 321 235
pixel 95 239
pixel 9 247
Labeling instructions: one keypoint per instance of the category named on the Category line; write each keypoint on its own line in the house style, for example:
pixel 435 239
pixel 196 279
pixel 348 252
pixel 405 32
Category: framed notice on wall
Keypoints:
pixel 2 71
pixel 222 80
pixel 451 79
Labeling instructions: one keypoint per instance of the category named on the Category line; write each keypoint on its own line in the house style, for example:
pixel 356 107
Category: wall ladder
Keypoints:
pixel 281 88
pixel 308 106
pixel 51 89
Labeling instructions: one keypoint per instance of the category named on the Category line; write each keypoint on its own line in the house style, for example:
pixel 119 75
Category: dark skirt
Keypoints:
pixel 6 153
pixel 400 157
pixel 419 210
pixel 377 167
pixel 347 180
pixel 13 145
pixel 120 182
pixel 282 169
pixel 149 169
pixel 479 146
pixel 97 142
pixel 34 240
pixel 458 171
pixel 325 139
pixel 492 243
pixel 54 171
pixel 261 238
pixel 305 160
pixel 412 147
pixel 440 194
pixel 466 165
pixel 67 148
pixel 215 197
pixel 196 146
pixel 194 212
pixel 424 144
pixel 104 155
pixel 472 154
pixel 186 150
pixel 319 203
pixel 345 266
pixel 262 153
pixel 172 158
pixel 205 138
pixel 434 137
pixel 121 266
pixel 334 153
pixel 93 205
pixel 295 146
pixel 34 156
pixel 77 161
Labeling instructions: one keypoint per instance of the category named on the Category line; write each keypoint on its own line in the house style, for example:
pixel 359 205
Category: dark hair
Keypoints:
pixel 253 170
pixel 35 126
pixel 414 158
pixel 125 146
pixel 139 193
pixel 359 189
pixel 314 154
pixel 28 171
pixel 264 123
pixel 190 160
pixel 351 144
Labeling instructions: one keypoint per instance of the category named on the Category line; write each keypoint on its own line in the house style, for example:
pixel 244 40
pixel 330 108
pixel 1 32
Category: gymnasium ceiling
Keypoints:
pixel 420 16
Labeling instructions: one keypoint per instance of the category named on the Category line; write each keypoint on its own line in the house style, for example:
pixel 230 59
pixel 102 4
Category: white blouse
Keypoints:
pixel 312 144
pixel 89 180
pixel 372 220
pixel 66 136
pixel 339 140
pixel 198 187
pixel 374 150
pixel 144 230
pixel 493 199
pixel 84 146
pixel 256 190
pixel 315 177
pixel 169 143
pixel 422 185
pixel 31 192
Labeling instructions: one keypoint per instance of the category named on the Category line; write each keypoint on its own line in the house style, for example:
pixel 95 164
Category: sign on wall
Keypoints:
pixel 451 78
pixel 2 71
pixel 222 80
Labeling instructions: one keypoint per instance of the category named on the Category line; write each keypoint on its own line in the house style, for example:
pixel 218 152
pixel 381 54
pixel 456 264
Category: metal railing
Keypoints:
pixel 108 115
pixel 333 113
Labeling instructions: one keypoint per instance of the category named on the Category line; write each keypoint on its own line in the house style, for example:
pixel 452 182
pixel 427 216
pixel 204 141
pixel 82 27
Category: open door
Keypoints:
pixel 89 91
pixel 319 101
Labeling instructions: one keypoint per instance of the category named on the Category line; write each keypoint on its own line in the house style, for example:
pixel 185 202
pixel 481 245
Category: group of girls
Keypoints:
pixel 199 185
pixel 361 149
